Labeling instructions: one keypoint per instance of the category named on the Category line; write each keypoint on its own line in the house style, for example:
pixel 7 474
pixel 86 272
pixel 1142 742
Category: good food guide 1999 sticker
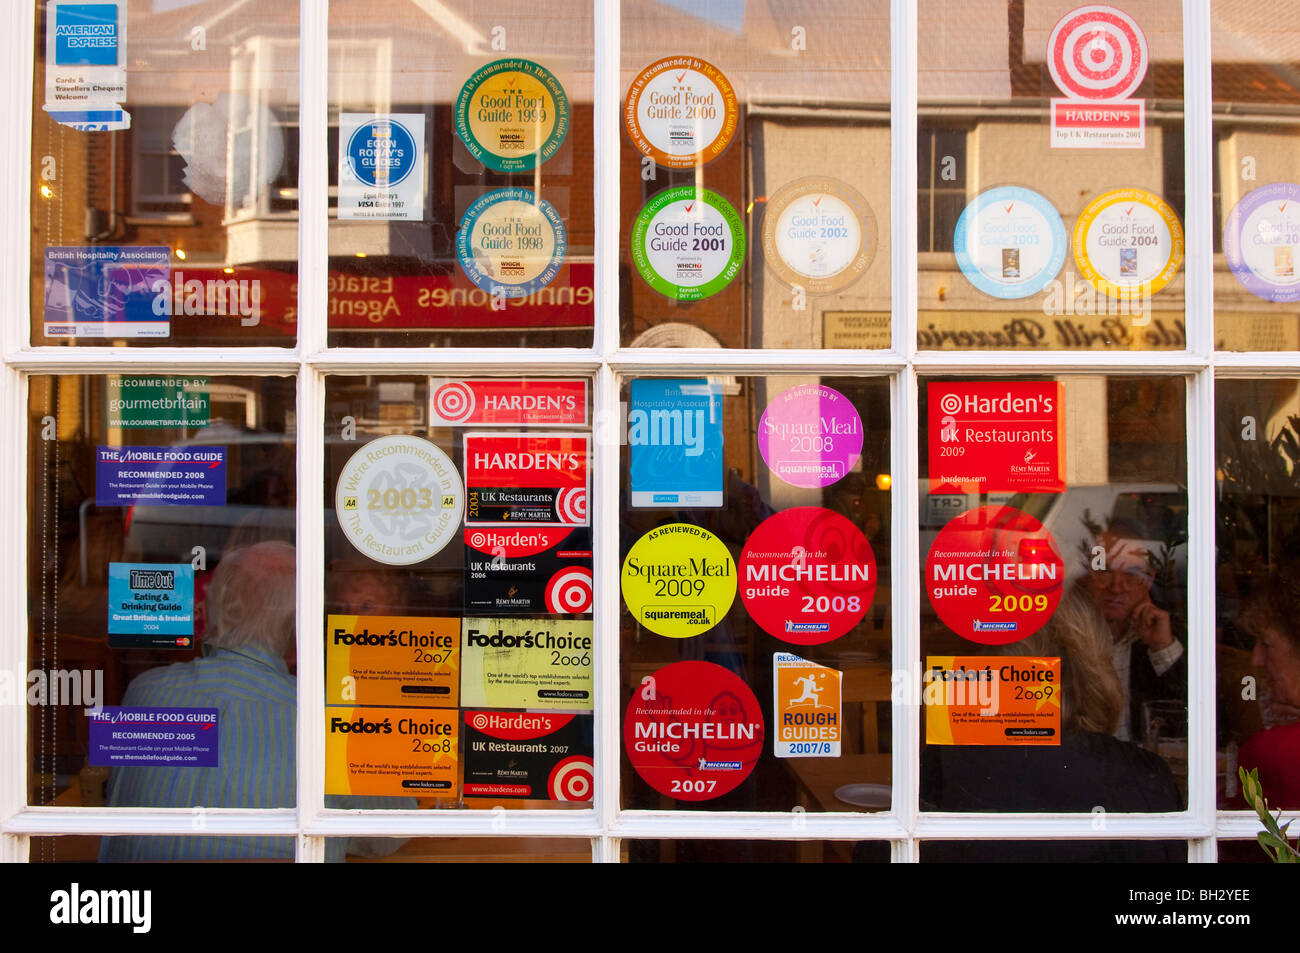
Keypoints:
pixel 512 115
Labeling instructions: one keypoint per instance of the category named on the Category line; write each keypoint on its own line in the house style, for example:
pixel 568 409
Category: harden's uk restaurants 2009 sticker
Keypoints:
pixel 688 243
pixel 693 730
pixel 679 580
pixel 512 115
pixel 681 112
pixel 994 575
pixel 1128 242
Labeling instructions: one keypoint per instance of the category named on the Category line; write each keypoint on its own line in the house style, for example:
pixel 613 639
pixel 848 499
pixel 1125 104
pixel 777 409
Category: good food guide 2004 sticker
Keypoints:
pixel 679 580
pixel 1260 240
pixel 819 234
pixel 511 243
pixel 512 115
pixel 688 243
pixel 681 111
pixel 1128 243
pixel 810 435
pixel 1010 242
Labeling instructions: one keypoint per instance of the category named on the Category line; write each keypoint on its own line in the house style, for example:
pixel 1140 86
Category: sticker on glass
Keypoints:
pixel 679 580
pixel 688 243
pixel 1010 242
pixel 992 700
pixel 512 115
pixel 507 403
pixel 102 291
pixel 85 65
pixel 381 166
pixel 536 755
pixel 159 737
pixel 805 708
pixel 391 751
pixel 150 605
pixel 1128 243
pixel 681 111
pixel 810 435
pixel 526 663
pixel 1260 240
pixel 534 478
pixel 819 234
pixel 674 437
pixel 511 243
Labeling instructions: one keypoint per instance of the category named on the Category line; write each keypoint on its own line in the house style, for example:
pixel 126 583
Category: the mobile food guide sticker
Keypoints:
pixel 410 752
pixel 674 437
pixel 117 291
pixel 805 708
pixel 538 478
pixel 392 660
pixel 381 166
pixel 526 663
pixel 1010 242
pixel 512 115
pixel 537 755
pixel 150 605
pixel 511 243
pixel 1260 240
pixel 807 575
pixel 681 112
pixel 1098 57
pixel 165 737
pixel 160 476
pixel 992 700
pixel 399 500
pixel 688 243
pixel 810 435
pixel 492 402
pixel 994 575
pixel 693 730
pixel 85 65
pixel 996 437
pixel 1128 243
pixel 819 234
pixel 528 569
pixel 679 580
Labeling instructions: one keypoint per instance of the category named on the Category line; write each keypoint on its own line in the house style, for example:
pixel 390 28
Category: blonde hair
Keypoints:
pixel 251 600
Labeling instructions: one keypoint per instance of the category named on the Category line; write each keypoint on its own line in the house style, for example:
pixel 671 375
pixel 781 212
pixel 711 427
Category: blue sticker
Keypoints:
pixel 511 243
pixel 160 476
pixel 121 291
pixel 85 34
pixel 156 737
pixel 674 437
pixel 382 152
pixel 1010 242
pixel 152 599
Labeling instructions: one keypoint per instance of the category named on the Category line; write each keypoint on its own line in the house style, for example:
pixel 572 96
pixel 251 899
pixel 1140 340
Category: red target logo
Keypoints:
pixel 1097 53
pixel 571 504
pixel 571 780
pixel 570 591
pixel 453 402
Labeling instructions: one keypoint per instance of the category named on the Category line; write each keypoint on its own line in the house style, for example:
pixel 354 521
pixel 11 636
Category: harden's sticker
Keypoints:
pixel 512 115
pixel 528 755
pixel 818 233
pixel 807 575
pixel 810 435
pixel 1097 53
pixel 515 478
pixel 805 708
pixel 399 500
pixel 1010 242
pixel 1128 242
pixel 992 700
pixel 693 731
pixel 681 112
pixel 1260 240
pixel 688 243
pixel 994 575
pixel 511 242
pixel 679 580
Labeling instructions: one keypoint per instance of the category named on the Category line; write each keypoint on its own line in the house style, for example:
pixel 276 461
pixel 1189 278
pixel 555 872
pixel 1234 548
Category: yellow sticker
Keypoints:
pixel 679 580
pixel 391 751
pixel 392 660
pixel 1128 243
pixel 512 115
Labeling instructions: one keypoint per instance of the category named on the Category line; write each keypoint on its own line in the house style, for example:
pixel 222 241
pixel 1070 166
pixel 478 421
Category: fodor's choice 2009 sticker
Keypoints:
pixel 399 500
pixel 512 115
pixel 688 243
pixel 1128 243
pixel 1010 242
pixel 679 580
pixel 819 233
pixel 992 700
pixel 681 112
pixel 511 243
pixel 1260 241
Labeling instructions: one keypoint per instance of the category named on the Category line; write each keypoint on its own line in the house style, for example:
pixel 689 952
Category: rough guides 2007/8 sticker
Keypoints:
pixel 399 500
pixel 688 243
pixel 392 660
pixel 1128 243
pixel 507 403
pixel 511 243
pixel 681 112
pixel 693 731
pixel 409 752
pixel 537 755
pixel 526 663
pixel 805 708
pixel 679 580
pixel 674 438
pixel 528 569
pixel 1010 242
pixel 381 166
pixel 810 435
pixel 538 479
pixel 992 700
pixel 819 233
pixel 1260 240
pixel 512 115
pixel 150 605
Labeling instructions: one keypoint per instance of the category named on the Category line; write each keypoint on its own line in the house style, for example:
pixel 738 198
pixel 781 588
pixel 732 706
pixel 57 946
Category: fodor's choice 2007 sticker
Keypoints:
pixel 1128 243
pixel 681 111
pixel 1260 241
pixel 688 243
pixel 399 500
pixel 819 233
pixel 1010 242
pixel 511 242
pixel 512 115
pixel 679 580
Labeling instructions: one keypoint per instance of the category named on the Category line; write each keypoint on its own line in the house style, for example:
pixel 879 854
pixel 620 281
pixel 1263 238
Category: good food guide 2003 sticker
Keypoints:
pixel 1010 242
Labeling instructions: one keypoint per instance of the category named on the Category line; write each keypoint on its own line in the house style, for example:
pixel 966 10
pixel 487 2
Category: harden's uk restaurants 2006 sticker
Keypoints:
pixel 693 730
pixel 679 580
pixel 512 115
pixel 681 112
pixel 1128 242
pixel 688 243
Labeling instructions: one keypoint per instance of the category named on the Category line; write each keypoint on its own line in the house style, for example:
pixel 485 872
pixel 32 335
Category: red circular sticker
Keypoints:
pixel 693 731
pixel 807 575
pixel 994 575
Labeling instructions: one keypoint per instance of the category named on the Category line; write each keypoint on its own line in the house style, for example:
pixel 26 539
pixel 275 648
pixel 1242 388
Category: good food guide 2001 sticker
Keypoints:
pixel 1128 243
pixel 819 233
pixel 1260 240
pixel 688 243
pixel 681 111
pixel 511 243
pixel 679 580
pixel 810 435
pixel 512 115
pixel 1010 242
pixel 399 500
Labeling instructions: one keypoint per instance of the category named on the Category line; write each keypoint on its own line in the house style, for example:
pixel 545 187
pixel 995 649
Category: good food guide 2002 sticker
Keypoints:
pixel 688 243
pixel 679 580
pixel 1128 243
pixel 681 111
pixel 819 234
pixel 512 115
pixel 1010 242
pixel 511 243
pixel 1260 240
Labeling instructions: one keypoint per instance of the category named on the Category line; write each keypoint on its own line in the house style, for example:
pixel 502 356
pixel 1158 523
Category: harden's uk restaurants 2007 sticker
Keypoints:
pixel 688 243
pixel 512 115
pixel 681 112
pixel 679 580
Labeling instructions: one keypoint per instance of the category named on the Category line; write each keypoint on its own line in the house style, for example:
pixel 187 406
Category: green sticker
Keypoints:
pixel 688 243
pixel 512 115
pixel 163 401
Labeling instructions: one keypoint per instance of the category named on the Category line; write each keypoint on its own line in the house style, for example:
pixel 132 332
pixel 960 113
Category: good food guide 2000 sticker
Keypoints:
pixel 681 111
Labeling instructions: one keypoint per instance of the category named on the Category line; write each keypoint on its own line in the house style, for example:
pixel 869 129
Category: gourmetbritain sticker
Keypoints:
pixel 1010 242
pixel 1260 240
pixel 819 233
pixel 994 575
pixel 681 112
pixel 679 580
pixel 512 115
pixel 805 708
pixel 810 435
pixel 399 500
pixel 1128 243
pixel 507 403
pixel 688 243
pixel 511 243
pixel 807 575
pixel 693 731
pixel 381 166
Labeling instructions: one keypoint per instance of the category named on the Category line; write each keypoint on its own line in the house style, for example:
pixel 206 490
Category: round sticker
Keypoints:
pixel 681 112
pixel 382 153
pixel 818 233
pixel 511 242
pixel 1128 240
pixel 512 115
pixel 399 500
pixel 679 580
pixel 810 435
pixel 994 575
pixel 1010 242
pixel 688 243
pixel 1097 52
pixel 693 730
pixel 807 575
pixel 571 779
pixel 1260 239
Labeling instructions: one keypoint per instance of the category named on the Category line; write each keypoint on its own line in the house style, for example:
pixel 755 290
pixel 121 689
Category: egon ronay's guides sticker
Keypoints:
pixel 996 437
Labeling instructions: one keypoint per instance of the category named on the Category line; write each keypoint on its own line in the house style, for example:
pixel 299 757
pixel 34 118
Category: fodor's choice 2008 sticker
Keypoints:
pixel 1128 243
pixel 511 242
pixel 1010 242
pixel 681 112
pixel 819 233
pixel 399 500
pixel 688 243
pixel 1260 241
pixel 679 580
pixel 512 115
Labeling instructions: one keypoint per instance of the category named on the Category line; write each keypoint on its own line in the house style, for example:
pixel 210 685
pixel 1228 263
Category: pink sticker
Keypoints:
pixel 810 435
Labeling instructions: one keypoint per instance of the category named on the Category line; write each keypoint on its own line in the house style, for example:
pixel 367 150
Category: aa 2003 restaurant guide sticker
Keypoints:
pixel 994 575
pixel 1128 242
pixel 819 233
pixel 679 580
pixel 511 242
pixel 688 243
pixel 512 115
pixel 693 731
pixel 810 435
pixel 681 112
pixel 1010 242
pixel 399 500
pixel 1260 239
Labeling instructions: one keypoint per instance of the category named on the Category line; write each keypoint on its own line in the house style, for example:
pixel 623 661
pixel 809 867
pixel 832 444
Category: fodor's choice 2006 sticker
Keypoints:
pixel 819 233
pixel 511 242
pixel 1010 242
pixel 679 580
pixel 512 115
pixel 681 112
pixel 1128 243
pixel 399 500
pixel 688 243
pixel 1260 240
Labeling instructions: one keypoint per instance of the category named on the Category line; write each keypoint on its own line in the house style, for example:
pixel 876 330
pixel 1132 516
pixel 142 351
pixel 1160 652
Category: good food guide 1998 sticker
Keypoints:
pixel 511 243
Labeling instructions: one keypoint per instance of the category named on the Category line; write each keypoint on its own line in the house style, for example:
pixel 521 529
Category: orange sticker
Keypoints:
pixel 992 700
pixel 681 111
pixel 392 660
pixel 805 708
pixel 391 751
